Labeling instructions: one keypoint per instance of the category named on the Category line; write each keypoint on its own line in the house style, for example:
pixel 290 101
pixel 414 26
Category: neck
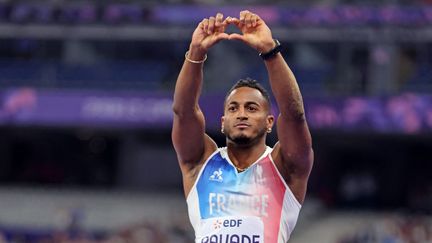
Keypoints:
pixel 243 156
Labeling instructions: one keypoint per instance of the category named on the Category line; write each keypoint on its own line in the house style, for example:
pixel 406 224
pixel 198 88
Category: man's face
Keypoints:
pixel 246 116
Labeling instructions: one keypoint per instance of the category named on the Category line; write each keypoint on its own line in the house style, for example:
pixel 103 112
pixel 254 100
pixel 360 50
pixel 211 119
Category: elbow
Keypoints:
pixel 176 109
pixel 181 110
pixel 299 116
pixel 294 111
pixel 294 115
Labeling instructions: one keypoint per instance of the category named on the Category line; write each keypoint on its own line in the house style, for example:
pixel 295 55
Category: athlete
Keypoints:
pixel 245 192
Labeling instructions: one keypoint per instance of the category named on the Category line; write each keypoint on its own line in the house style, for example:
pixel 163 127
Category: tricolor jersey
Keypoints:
pixel 253 206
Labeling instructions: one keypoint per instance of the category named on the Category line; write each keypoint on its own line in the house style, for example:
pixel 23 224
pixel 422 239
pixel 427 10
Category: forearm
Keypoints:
pixel 285 88
pixel 188 118
pixel 292 130
pixel 189 83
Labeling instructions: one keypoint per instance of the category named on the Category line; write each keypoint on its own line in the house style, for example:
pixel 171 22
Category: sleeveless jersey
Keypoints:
pixel 253 206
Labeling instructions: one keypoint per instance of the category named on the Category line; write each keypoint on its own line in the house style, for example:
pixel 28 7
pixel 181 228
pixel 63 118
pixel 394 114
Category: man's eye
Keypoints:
pixel 251 108
pixel 232 108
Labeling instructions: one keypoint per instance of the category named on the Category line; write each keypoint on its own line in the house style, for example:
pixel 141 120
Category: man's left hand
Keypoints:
pixel 254 31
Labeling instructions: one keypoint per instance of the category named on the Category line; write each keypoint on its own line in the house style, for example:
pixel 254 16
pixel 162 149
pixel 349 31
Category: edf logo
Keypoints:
pixel 232 223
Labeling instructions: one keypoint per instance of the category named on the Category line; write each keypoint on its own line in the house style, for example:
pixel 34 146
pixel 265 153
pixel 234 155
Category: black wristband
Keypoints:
pixel 272 52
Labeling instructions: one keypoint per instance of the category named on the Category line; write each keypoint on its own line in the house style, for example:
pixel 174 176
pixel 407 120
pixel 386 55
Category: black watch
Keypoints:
pixel 272 52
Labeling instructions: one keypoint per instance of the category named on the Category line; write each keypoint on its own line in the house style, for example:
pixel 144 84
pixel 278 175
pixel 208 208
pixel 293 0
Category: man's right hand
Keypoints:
pixel 208 32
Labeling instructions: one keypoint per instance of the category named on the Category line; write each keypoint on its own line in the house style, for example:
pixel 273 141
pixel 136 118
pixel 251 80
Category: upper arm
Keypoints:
pixel 191 143
pixel 293 155
pixel 295 145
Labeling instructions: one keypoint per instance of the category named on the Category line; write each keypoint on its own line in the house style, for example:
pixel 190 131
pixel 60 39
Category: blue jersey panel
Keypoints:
pixel 217 177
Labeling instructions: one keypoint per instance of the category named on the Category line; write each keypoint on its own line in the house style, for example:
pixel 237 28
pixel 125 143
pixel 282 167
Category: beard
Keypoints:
pixel 244 140
pixel 241 139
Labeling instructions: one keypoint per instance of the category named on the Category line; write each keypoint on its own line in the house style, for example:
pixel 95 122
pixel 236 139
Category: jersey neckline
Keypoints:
pixel 224 154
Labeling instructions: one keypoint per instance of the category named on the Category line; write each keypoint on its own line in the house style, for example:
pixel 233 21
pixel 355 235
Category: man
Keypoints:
pixel 246 192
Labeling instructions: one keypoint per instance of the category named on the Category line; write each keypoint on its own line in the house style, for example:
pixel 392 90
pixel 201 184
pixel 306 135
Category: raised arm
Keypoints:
pixel 191 143
pixel 293 153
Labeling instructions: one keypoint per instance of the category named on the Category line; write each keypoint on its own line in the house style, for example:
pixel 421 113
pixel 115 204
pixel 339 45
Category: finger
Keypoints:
pixel 236 22
pixel 205 24
pixel 226 21
pixel 248 20
pixel 254 20
pixel 211 25
pixel 219 20
pixel 233 20
pixel 243 16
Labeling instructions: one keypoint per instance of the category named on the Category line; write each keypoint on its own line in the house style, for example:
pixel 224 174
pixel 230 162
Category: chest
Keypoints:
pixel 223 191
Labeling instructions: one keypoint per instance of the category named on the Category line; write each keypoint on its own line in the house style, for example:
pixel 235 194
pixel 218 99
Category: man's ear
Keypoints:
pixel 270 121
pixel 222 124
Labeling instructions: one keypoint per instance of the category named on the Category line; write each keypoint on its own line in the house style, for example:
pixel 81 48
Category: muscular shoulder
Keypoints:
pixel 190 170
pixel 191 164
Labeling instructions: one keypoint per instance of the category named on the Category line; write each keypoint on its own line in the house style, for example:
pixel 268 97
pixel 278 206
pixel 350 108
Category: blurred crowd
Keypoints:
pixel 139 233
pixel 295 13
pixel 307 2
pixel 394 229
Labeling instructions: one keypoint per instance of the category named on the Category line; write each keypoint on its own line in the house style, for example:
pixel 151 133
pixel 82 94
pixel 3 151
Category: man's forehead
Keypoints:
pixel 245 94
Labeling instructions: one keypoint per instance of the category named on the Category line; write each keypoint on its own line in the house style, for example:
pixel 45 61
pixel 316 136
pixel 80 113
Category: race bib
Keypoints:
pixel 231 230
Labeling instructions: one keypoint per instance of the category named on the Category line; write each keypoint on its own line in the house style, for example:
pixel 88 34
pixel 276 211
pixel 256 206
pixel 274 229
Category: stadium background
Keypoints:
pixel 85 115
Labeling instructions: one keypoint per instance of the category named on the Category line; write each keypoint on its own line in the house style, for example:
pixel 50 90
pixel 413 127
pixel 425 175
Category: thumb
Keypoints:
pixel 235 36
pixel 222 36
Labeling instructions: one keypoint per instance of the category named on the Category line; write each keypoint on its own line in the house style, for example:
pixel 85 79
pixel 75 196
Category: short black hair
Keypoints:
pixel 251 83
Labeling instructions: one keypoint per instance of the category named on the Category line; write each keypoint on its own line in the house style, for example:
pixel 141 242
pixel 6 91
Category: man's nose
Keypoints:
pixel 242 114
